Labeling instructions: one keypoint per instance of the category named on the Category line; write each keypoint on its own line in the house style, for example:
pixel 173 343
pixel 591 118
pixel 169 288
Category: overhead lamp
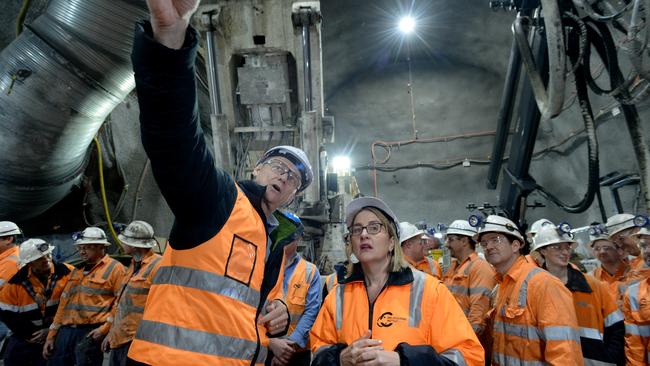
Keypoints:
pixel 406 24
pixel 341 164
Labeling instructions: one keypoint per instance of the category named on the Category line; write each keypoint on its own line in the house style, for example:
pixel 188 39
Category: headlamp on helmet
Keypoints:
pixel 641 220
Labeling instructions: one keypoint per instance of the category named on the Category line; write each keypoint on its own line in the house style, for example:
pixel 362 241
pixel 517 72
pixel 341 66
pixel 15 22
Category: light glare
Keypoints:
pixel 406 25
pixel 341 164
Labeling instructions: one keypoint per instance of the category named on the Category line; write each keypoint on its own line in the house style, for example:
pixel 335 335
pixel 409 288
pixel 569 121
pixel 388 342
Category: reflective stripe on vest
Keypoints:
pixel 415 301
pixel 330 281
pixel 94 309
pixel 90 290
pixel 590 362
pixel 511 360
pixel 432 266
pixel 200 342
pixel 638 330
pixel 52 302
pixel 523 290
pixel 151 266
pixel 550 333
pixel 339 305
pixel 206 281
pixel 455 356
pixel 633 293
pixel 613 318
pixel 109 270
pixel 591 333
pixel 136 291
pixel 462 290
pixel 18 309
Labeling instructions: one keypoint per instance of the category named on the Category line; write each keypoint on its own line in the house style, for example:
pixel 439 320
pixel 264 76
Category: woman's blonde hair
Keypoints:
pixel 397 261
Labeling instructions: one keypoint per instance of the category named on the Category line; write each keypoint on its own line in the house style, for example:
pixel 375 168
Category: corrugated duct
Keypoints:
pixel 58 81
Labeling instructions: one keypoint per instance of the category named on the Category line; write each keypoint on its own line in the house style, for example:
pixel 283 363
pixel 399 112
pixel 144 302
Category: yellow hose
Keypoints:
pixel 21 17
pixel 103 192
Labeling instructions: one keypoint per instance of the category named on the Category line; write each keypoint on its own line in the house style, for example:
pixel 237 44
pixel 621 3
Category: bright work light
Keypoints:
pixel 341 164
pixel 406 25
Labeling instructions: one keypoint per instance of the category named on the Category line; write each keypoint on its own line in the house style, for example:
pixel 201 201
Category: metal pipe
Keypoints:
pixel 306 62
pixel 59 80
pixel 549 97
pixel 505 116
pixel 523 143
pixel 213 74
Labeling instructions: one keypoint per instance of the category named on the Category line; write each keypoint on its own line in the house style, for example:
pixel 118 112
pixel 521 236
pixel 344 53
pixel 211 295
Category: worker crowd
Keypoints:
pixel 505 299
pixel 231 288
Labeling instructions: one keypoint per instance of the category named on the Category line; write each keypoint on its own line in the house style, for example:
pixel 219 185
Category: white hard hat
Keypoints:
pixel 461 227
pixel 551 235
pixel 619 222
pixel 408 231
pixel 642 231
pixel 360 203
pixel 295 156
pixel 8 228
pixel 538 225
pixel 498 224
pixel 138 234
pixel 91 235
pixel 33 249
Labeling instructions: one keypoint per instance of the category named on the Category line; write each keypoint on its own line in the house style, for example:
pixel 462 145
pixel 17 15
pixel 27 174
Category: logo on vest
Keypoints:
pixel 297 285
pixel 387 319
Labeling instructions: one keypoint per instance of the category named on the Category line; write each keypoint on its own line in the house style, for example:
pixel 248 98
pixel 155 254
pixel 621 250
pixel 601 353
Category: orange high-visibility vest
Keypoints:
pixel 596 311
pixel 413 308
pixel 30 304
pixel 634 275
pixel 130 305
pixel 204 303
pixel 9 264
pixel 534 319
pixel 88 297
pixel 471 283
pixel 296 295
pixel 636 309
pixel 427 265
pixel 637 262
pixel 613 281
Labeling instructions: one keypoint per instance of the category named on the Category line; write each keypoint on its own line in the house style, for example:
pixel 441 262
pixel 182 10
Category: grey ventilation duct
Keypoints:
pixel 58 82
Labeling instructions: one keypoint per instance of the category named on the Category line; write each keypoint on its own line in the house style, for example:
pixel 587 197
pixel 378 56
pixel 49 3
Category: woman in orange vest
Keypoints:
pixel 601 323
pixel 385 313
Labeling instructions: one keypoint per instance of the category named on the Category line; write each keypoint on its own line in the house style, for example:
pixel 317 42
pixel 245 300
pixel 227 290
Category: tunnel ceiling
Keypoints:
pixel 459 56
pixel 361 35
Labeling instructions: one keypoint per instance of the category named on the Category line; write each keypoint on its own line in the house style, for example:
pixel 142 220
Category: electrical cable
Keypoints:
pixel 22 14
pixel 102 189
pixel 136 198
pixel 590 127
